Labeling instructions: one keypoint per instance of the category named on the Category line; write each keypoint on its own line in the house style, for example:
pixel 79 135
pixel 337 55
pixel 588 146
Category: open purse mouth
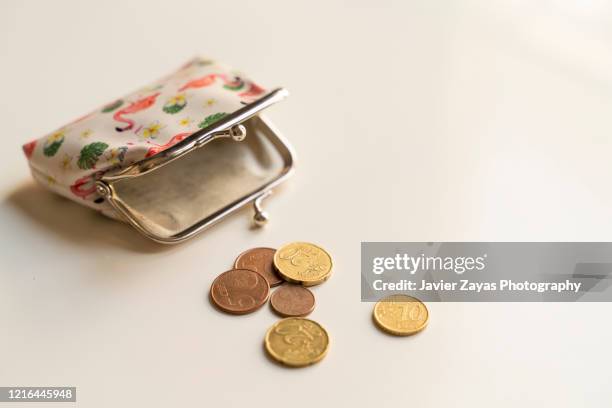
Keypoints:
pixel 173 201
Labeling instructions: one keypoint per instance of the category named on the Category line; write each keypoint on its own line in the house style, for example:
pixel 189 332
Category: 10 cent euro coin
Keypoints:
pixel 401 315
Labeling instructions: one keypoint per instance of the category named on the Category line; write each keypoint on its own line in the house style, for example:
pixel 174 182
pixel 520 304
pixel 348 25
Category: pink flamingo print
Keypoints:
pixel 175 139
pixel 84 187
pixel 134 107
pixel 253 91
pixel 234 83
pixel 201 82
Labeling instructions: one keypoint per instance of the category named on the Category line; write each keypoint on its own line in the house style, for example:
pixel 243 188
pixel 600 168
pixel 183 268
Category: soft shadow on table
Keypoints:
pixel 77 224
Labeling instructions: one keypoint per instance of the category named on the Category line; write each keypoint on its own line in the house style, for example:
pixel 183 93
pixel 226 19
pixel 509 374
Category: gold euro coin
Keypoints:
pixel 303 263
pixel 297 342
pixel 401 315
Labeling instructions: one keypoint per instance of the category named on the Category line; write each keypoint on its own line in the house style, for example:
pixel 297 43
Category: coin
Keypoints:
pixel 292 300
pixel 401 315
pixel 239 291
pixel 296 341
pixel 304 263
pixel 259 260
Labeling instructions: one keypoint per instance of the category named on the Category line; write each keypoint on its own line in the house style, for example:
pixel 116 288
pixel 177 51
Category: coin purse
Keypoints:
pixel 172 158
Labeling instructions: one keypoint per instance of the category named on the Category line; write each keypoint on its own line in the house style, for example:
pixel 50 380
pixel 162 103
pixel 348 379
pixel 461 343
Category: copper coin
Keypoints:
pixel 260 260
pixel 292 301
pixel 239 291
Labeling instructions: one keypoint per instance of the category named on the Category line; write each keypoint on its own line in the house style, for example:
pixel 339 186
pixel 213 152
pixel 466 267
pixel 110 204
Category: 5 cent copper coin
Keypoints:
pixel 239 291
pixel 260 260
pixel 292 301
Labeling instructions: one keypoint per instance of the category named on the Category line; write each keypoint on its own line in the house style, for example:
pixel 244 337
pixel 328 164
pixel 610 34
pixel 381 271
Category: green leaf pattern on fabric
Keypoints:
pixel 112 106
pixel 210 119
pixel 172 109
pixel 90 154
pixel 49 149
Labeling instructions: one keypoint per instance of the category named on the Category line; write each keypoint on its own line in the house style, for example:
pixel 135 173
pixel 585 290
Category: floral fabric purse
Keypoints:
pixel 173 157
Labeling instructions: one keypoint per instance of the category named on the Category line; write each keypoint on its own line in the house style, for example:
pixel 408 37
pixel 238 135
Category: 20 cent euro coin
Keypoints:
pixel 297 342
pixel 303 263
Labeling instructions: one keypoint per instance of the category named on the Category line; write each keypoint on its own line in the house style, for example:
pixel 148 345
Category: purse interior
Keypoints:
pixel 205 183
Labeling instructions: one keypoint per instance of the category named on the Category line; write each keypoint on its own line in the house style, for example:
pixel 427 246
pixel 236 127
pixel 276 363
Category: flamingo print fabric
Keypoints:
pixel 136 126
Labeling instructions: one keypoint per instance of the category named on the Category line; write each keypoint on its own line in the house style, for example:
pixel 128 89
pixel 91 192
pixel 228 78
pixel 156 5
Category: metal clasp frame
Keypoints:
pixel 244 123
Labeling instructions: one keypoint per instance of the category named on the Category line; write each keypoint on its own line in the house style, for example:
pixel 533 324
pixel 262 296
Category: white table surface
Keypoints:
pixel 413 121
